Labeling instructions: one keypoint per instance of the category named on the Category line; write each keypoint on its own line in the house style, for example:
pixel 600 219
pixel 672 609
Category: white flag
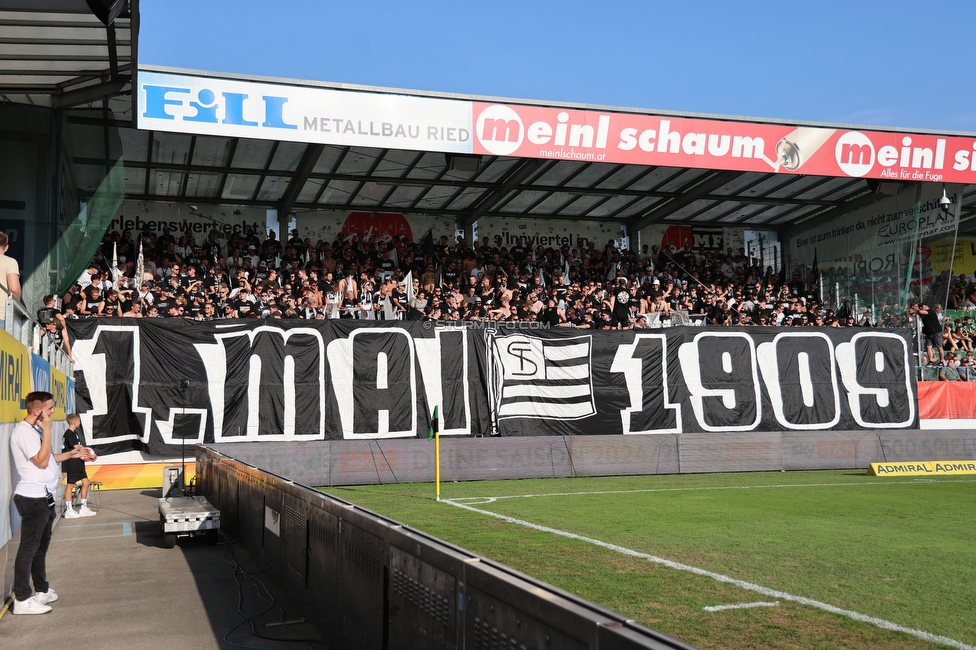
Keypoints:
pixel 140 268
pixel 408 287
pixel 115 267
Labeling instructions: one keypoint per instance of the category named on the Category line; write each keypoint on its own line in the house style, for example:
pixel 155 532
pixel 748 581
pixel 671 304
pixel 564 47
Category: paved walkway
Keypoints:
pixel 121 590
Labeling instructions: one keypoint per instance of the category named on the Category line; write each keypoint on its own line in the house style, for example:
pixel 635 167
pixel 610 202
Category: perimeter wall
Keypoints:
pixel 368 582
pixel 344 462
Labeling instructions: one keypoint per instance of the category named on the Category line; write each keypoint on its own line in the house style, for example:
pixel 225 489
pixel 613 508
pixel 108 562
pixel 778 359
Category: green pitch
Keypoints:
pixel 770 560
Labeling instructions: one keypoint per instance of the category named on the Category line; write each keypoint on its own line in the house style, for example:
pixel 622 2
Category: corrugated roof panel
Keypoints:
pixel 273 188
pixel 310 190
pixel 612 205
pixel 467 198
pixel 359 160
pixel 210 151
pixel 592 174
pixel 437 197
pixel 338 192
pixel 165 183
pixel 372 193
pixel 252 154
pixel 581 206
pixel 404 196
pixel 240 186
pixel 558 173
pixel 553 202
pixel 430 166
pixel 202 185
pixel 395 163
pixel 135 145
pixel 170 148
pixel 328 159
pixel 135 180
pixel 521 202
pixel 287 156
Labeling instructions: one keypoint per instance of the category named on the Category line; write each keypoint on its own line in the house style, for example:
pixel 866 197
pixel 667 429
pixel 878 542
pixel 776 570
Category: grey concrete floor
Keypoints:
pixel 120 589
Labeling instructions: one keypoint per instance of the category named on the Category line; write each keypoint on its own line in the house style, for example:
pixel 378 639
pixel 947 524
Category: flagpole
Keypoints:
pixel 437 459
pixel 435 435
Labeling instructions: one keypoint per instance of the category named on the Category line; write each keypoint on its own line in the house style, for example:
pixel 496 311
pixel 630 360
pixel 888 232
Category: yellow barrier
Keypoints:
pixel 923 468
pixel 134 476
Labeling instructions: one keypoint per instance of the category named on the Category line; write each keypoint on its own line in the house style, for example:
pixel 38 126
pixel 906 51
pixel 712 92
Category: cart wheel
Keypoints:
pixel 169 540
pixel 211 537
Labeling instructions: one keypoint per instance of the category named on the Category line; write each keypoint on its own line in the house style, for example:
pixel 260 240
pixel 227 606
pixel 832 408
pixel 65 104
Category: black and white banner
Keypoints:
pixel 318 380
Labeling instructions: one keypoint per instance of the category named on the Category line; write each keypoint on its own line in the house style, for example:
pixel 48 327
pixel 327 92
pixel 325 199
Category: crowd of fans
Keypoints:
pixel 581 286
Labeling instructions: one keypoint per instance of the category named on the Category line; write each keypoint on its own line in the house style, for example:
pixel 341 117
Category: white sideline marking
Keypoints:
pixel 722 608
pixel 484 500
pixel 718 577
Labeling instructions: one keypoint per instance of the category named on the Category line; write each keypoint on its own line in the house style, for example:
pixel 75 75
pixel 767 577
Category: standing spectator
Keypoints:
pixel 75 469
pixel 37 467
pixel 620 305
pixel 9 277
pixel 932 331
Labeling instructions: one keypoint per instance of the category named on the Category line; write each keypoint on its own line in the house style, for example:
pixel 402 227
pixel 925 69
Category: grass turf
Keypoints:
pixel 895 549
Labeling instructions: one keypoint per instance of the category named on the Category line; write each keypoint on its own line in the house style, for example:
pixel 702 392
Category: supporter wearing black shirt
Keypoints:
pixel 452 275
pixel 620 305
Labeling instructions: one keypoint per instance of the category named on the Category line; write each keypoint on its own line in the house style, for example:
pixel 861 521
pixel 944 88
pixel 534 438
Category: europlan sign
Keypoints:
pixel 204 105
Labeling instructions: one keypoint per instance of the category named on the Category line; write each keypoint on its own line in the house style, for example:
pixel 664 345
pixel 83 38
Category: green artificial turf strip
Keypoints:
pixel 896 549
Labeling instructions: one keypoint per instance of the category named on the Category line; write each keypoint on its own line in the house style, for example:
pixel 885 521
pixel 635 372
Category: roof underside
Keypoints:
pixel 57 53
pixel 293 176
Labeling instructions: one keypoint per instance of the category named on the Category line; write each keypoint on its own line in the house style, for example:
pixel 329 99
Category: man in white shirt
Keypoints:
pixel 9 277
pixel 38 477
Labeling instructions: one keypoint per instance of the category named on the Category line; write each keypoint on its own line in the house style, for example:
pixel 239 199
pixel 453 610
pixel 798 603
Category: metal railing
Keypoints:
pixel 22 326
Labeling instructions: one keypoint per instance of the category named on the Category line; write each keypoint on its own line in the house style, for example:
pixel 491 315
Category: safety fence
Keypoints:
pixel 369 582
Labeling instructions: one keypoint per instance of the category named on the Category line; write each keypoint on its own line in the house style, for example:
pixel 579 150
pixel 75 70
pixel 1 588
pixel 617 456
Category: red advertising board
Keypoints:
pixel 597 136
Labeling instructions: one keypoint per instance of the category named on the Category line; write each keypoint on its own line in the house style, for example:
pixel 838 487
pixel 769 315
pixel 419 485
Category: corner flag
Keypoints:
pixel 433 426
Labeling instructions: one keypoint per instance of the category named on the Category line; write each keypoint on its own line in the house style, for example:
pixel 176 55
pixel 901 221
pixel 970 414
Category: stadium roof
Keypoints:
pixel 56 53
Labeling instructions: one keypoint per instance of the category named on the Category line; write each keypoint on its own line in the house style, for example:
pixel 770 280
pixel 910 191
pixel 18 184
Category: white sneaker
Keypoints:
pixel 71 513
pixel 30 606
pixel 45 597
pixel 85 512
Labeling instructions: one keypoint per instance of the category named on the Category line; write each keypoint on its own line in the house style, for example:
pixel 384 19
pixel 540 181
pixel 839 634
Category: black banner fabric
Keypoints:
pixel 151 384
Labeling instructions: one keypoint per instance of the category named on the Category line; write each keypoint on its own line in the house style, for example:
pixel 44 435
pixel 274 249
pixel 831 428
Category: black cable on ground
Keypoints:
pixel 239 570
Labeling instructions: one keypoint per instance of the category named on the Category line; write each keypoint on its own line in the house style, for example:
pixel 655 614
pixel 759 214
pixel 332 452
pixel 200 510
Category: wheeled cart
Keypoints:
pixel 188 517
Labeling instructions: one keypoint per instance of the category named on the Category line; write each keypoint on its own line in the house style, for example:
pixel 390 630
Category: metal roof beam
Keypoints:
pixel 698 191
pixel 309 159
pixel 90 94
pixel 516 177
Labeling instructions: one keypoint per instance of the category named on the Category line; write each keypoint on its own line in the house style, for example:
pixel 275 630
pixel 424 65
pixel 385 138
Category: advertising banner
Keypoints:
pixel 241 381
pixel 247 109
pixel 879 251
pixel 15 378
pixel 207 105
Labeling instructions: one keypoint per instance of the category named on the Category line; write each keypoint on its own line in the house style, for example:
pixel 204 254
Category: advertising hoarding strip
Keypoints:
pixel 208 105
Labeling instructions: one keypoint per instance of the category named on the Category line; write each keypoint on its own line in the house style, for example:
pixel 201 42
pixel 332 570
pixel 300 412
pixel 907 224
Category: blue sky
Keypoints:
pixel 895 63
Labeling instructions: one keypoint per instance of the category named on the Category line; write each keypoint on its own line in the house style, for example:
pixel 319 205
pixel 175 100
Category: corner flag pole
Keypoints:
pixel 437 461
pixel 435 435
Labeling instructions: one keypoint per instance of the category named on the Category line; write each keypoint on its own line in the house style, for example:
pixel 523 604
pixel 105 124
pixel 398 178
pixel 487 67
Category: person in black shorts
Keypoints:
pixel 75 469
